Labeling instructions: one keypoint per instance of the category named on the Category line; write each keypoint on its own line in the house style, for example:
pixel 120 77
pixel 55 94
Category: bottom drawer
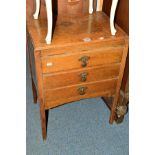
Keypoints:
pixel 55 97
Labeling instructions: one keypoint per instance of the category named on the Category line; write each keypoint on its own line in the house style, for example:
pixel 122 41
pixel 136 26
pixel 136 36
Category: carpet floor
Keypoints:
pixel 78 128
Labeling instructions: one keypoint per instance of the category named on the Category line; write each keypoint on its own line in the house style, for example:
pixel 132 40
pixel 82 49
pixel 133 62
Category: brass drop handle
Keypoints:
pixel 84 60
pixel 83 76
pixel 82 90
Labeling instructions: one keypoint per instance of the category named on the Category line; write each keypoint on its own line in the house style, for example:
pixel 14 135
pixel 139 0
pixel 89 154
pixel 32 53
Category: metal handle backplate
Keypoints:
pixel 84 60
pixel 83 76
pixel 82 90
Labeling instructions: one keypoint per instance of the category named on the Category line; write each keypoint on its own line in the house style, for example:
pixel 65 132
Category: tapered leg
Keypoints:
pixel 112 15
pixel 43 122
pixel 35 15
pixel 49 20
pixel 38 68
pixel 90 6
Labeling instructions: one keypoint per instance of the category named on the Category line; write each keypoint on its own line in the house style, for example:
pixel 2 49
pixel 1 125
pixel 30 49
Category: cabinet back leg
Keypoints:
pixel 34 91
pixel 43 123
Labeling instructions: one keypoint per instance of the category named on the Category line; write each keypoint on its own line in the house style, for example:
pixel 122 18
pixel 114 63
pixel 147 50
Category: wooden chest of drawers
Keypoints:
pixel 83 61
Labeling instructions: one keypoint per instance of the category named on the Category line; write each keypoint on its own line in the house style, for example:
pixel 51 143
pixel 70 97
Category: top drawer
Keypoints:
pixel 70 61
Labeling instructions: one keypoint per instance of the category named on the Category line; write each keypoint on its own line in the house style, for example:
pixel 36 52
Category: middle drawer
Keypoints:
pixel 62 79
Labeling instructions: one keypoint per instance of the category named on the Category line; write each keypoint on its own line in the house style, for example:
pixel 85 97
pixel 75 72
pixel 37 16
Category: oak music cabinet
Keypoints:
pixel 83 61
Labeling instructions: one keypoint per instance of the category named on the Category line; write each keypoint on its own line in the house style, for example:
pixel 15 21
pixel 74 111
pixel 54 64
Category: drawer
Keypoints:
pixel 79 60
pixel 52 81
pixel 59 96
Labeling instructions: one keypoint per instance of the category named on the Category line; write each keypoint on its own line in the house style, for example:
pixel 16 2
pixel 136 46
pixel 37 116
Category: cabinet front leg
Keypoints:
pixel 114 106
pixel 37 55
pixel 49 20
pixel 34 91
pixel 35 15
pixel 112 15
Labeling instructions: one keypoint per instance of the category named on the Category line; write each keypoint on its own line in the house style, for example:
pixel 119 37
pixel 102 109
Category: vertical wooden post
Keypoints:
pixel 40 92
pixel 115 101
pixel 34 91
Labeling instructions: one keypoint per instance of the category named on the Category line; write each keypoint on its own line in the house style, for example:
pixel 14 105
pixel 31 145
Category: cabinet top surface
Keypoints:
pixel 70 30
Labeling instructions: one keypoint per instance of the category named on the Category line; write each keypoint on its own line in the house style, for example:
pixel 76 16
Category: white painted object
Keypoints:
pixel 50 15
pixel 112 12
pixel 90 6
pixel 99 5
pixel 35 15
pixel 112 15
pixel 49 18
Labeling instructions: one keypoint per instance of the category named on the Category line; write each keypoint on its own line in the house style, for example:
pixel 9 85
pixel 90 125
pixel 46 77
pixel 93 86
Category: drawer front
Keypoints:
pixel 82 60
pixel 52 81
pixel 68 94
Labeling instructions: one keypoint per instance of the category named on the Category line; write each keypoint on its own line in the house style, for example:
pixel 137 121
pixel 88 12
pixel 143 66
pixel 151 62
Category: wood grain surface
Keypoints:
pixel 72 61
pixel 70 31
pixel 61 79
pixel 68 94
pixel 59 66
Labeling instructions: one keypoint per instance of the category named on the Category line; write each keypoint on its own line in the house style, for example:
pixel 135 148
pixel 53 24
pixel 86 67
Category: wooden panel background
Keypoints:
pixel 122 13
pixel 63 6
pixel 122 19
pixel 60 7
